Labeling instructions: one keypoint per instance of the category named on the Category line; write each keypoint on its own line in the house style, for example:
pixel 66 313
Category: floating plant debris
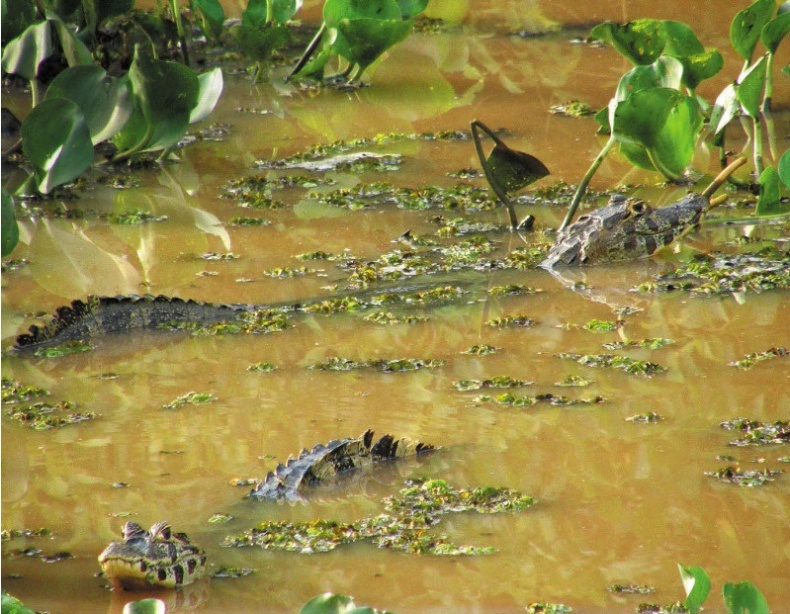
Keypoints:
pixel 133 218
pixel 481 350
pixel 572 108
pixel 8 534
pixel 750 360
pixel 41 415
pixel 650 416
pixel 634 589
pixel 543 607
pixel 336 363
pixel 226 571
pixel 654 343
pixel 758 433
pixel 387 318
pixel 629 365
pixel 500 381
pixel 190 398
pixel 513 400
pixel 249 221
pixel 75 346
pixel 602 326
pixel 285 272
pixel 216 256
pixel 510 322
pixel 262 367
pixel 749 478
pixel 14 265
pixel 404 527
pixel 220 518
pixel 512 289
pixel 650 608
pixel 574 381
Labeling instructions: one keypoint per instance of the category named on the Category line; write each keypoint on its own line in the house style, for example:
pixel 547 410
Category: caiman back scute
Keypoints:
pixel 325 461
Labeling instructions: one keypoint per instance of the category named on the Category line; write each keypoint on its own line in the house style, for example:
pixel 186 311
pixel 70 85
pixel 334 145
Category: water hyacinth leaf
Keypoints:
pixel 747 25
pixel 367 39
pixel 22 55
pixel 211 84
pixel 17 15
pixel 664 122
pixel 775 30
pixel 784 168
pixel 107 9
pixel 254 16
pixel 284 10
pixel 679 39
pixel 664 72
pixel 212 17
pixel 637 155
pixel 8 225
pixel 334 604
pixel 725 109
pixel 105 102
pixel 145 606
pixel 57 142
pixel 749 90
pixel 640 41
pixel 744 598
pixel 700 66
pixel 514 169
pixel 258 44
pixel 412 8
pixel 696 583
pixel 337 10
pixel 74 49
pixel 769 202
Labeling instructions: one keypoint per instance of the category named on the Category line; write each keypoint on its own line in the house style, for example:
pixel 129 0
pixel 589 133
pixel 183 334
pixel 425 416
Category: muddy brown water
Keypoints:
pixel 618 502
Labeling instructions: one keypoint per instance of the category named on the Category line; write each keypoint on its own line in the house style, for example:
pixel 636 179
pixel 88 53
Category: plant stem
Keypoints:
pixel 35 91
pixel 768 92
pixel 577 197
pixel 723 176
pixel 500 193
pixel 182 41
pixel 758 146
pixel 308 52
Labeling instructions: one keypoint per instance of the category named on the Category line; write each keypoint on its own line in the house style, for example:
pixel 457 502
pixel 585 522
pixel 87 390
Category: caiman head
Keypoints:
pixel 150 559
pixel 625 229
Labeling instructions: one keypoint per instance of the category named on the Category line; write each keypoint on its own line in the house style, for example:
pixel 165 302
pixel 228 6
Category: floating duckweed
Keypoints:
pixel 513 400
pixel 387 318
pixel 317 255
pixel 133 218
pixel 226 571
pixel 749 478
pixel 40 416
pixel 190 398
pixel 285 272
pixel 601 326
pixel 250 322
pixel 220 518
pixel 650 608
pixel 366 163
pixel 528 257
pixel 650 416
pixel 8 534
pixel 404 364
pixel 481 350
pixel 629 365
pixel 758 433
pixel 74 346
pixel 542 607
pixel 500 381
pixel 261 202
pixel 404 527
pixel 466 173
pixel 262 367
pixel 652 343
pixel 572 108
pixel 638 589
pixel 336 305
pixel 510 321
pixel 574 381
pixel 216 256
pixel 249 221
pixel 16 392
pixel 750 360
pixel 512 289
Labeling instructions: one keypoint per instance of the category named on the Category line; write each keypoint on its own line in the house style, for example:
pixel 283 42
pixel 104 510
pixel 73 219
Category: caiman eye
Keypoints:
pixel 638 207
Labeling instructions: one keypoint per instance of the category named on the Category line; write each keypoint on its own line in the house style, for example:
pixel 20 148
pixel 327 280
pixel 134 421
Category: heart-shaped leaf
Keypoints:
pixel 367 39
pixel 640 41
pixel 513 169
pixel 769 201
pixel 664 72
pixel 284 10
pixel 697 586
pixel 254 16
pixel 57 142
pixel 744 598
pixel 22 55
pixel 212 17
pixel 258 44
pixel 774 31
pixel 749 90
pixel 105 102
pixel 747 25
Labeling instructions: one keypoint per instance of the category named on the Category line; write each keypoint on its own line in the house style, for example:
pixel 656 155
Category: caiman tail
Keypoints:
pixel 325 461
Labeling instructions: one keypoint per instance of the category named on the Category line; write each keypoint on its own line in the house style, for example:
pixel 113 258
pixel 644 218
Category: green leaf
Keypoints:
pixel 774 31
pixel 637 156
pixel 664 72
pixel 105 102
pixel 258 44
pixel 412 8
pixel 16 16
pixel 367 39
pixel 334 604
pixel 12 605
pixel 107 9
pixel 749 90
pixel 73 48
pixel 700 66
pixel 254 16
pixel 784 168
pixel 57 142
pixel 769 201
pixel 744 598
pixel 284 10
pixel 8 225
pixel 680 40
pixel 212 17
pixel 512 169
pixel 725 109
pixel 145 606
pixel 697 586
pixel 337 10
pixel 640 41
pixel 211 84
pixel 747 25
pixel 22 55
pixel 664 122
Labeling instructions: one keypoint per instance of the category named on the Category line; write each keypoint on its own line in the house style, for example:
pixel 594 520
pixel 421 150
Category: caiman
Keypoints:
pixel 154 558
pixel 336 458
pixel 629 228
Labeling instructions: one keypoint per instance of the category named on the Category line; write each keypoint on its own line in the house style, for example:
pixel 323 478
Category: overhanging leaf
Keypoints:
pixel 367 39
pixel 774 31
pixel 784 168
pixel 57 142
pixel 744 598
pixel 284 10
pixel 211 84
pixel 640 41
pixel 74 49
pixel 514 169
pixel 747 24
pixel 212 17
pixel 22 55
pixel 697 586
pixel 769 201
pixel 105 102
pixel 749 90
pixel 724 110
pixel 664 72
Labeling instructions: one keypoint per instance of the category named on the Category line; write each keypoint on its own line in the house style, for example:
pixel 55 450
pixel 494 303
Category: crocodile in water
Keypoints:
pixel 155 558
pixel 290 480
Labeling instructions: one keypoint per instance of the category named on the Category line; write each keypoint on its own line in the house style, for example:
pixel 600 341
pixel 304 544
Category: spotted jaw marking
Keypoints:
pixel 154 558
pixel 625 229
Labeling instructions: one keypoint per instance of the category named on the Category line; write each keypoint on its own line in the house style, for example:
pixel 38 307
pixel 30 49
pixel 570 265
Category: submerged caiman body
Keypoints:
pixel 625 229
pixel 291 480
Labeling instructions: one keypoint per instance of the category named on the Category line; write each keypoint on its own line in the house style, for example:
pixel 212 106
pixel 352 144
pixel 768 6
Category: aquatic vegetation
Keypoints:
pixel 758 433
pixel 543 607
pixel 511 322
pixel 638 589
pixel 227 571
pixel 285 272
pixel 749 477
pixel 262 367
pixel 329 603
pixel 572 108
pixel 40 415
pixel 602 326
pixel 8 534
pixel 500 381
pixel 404 527
pixel 512 400
pixel 629 365
pixel 750 360
pixel 75 346
pixel 649 417
pixel 397 365
pixel 249 221
pixel 219 257
pixel 573 381
pixel 651 343
pixel 190 398
pixel 387 318
pixel 481 350
pixel 512 289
